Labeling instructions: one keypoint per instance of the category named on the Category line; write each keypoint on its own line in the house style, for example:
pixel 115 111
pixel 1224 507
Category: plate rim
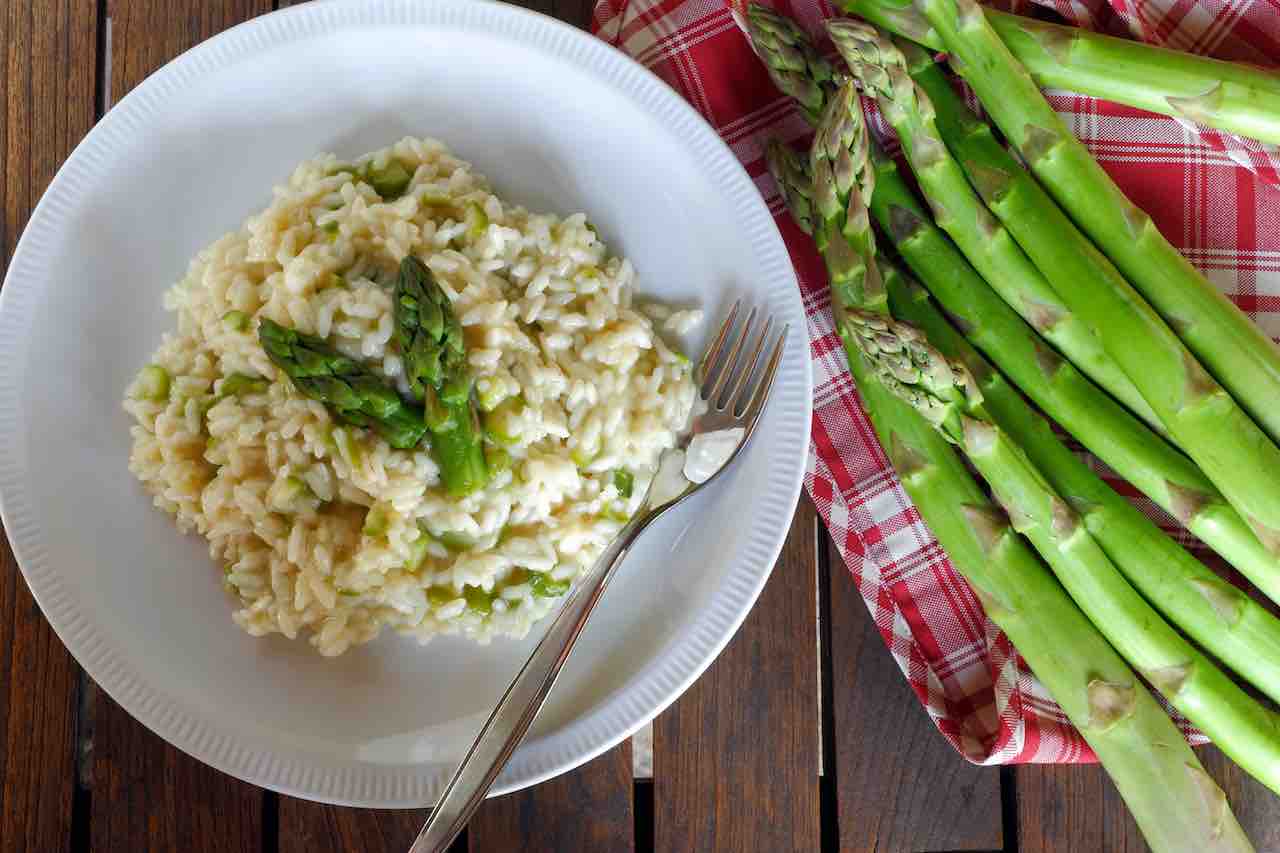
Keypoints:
pixel 344 782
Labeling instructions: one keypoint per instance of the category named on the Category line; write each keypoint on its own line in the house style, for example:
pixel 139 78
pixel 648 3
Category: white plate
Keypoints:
pixel 558 121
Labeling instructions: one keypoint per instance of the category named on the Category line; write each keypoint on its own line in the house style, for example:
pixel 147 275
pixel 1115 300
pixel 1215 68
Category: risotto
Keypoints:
pixel 320 527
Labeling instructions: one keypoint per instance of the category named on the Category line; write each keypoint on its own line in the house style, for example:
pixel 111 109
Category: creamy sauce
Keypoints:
pixel 708 452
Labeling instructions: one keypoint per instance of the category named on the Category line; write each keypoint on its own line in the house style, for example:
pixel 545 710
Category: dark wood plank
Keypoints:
pixel 736 758
pixel 899 785
pixel 145 34
pixel 1065 809
pixel 148 795
pixel 307 827
pixel 587 810
pixel 49 52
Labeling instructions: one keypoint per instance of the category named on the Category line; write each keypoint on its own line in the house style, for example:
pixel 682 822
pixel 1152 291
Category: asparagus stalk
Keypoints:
pixel 1230 346
pixel 1177 805
pixel 943 392
pixel 1230 96
pixel 794 64
pixel 1155 468
pixel 960 213
pixel 1201 417
pixel 351 392
pixel 434 357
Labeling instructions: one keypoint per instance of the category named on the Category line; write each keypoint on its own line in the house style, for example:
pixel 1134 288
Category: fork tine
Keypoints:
pixel 760 395
pixel 713 352
pixel 731 361
pixel 740 387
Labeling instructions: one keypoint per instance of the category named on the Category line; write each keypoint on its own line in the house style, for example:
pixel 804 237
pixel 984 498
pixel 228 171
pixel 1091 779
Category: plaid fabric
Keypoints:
pixel 1216 196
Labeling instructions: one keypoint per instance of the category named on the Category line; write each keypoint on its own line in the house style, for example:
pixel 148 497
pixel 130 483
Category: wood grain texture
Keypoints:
pixel 148 795
pixel 145 34
pixel 48 50
pixel 307 827
pixel 900 785
pixel 536 820
pixel 1072 809
pixel 736 757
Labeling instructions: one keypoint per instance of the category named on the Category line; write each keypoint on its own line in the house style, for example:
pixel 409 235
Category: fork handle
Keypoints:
pixel 507 725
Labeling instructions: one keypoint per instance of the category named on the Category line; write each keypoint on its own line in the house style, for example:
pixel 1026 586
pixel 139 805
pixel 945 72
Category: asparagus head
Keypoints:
pixel 435 365
pixel 843 180
pixel 352 392
pixel 429 335
pixel 794 64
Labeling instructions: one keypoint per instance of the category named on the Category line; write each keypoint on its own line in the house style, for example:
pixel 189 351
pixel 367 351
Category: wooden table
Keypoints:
pixel 802 736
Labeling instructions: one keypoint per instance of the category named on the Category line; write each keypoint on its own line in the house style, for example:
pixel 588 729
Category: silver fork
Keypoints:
pixel 731 399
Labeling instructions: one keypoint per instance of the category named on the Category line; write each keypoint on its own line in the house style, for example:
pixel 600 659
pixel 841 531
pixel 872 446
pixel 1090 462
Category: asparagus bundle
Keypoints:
pixel 435 366
pixel 352 392
pixel 943 392
pixel 1230 346
pixel 1227 623
pixel 1200 414
pixel 1227 95
pixel 1173 800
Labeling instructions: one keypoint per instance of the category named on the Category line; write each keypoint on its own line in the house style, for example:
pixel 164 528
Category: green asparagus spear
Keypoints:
pixel 945 393
pixel 794 65
pixel 1133 738
pixel 352 393
pixel 435 366
pixel 1228 345
pixel 962 215
pixel 1232 96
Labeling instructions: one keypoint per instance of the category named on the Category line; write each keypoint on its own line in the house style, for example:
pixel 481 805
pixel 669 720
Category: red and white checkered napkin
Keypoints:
pixel 1216 196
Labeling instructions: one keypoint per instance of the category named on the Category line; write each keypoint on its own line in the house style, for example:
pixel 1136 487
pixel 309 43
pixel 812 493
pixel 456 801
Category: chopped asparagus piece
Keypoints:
pixel 439 596
pixel 455 541
pixel 624 481
pixel 544 586
pixel 240 383
pixel 478 601
pixel 153 383
pixel 376 521
pixel 235 321
pixel 390 181
pixel 477 220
